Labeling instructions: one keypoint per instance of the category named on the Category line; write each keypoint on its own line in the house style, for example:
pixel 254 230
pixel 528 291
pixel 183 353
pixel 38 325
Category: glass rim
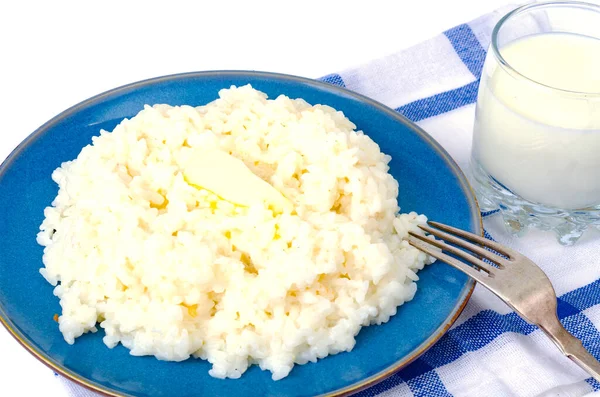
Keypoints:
pixel 533 6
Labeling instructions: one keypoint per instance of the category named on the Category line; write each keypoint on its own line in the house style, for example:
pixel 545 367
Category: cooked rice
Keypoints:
pixel 171 270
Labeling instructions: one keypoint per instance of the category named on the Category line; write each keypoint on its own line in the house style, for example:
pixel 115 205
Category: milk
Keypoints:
pixel 543 143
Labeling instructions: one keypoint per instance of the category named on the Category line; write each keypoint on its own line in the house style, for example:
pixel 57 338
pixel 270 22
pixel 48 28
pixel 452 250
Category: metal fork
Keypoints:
pixel 519 282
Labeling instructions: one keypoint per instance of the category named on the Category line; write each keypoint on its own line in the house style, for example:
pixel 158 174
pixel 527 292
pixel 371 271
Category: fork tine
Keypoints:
pixel 477 239
pixel 470 271
pixel 464 244
pixel 456 251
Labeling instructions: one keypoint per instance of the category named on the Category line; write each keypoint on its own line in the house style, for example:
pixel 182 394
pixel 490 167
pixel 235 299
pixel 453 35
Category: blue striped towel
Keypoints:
pixel 490 351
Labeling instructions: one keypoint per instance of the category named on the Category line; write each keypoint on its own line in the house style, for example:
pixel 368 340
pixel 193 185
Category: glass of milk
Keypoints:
pixel 536 141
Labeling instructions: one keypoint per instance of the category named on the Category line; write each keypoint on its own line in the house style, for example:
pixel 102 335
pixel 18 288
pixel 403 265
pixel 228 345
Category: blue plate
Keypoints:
pixel 430 183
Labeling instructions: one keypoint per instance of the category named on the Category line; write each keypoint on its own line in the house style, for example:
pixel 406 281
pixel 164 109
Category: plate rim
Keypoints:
pixel 464 297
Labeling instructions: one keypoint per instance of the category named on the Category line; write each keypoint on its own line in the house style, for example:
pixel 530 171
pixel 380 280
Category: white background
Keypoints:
pixel 55 54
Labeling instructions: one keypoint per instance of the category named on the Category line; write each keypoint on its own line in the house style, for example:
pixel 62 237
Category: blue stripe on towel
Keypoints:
pixel 472 54
pixel 488 213
pixel 441 103
pixel 427 384
pixel 334 79
pixel 594 383
pixel 467 47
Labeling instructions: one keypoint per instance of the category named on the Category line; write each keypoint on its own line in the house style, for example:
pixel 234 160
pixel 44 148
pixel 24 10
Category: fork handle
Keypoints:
pixel 572 347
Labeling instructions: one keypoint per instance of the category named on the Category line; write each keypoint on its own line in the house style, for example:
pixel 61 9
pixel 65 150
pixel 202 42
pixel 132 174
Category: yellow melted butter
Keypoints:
pixel 229 178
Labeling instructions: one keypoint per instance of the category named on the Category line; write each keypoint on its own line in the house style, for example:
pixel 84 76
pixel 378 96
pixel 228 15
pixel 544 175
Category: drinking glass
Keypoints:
pixel 536 140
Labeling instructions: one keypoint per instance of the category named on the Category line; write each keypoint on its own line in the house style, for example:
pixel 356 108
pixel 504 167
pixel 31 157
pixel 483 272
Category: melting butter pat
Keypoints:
pixel 229 178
